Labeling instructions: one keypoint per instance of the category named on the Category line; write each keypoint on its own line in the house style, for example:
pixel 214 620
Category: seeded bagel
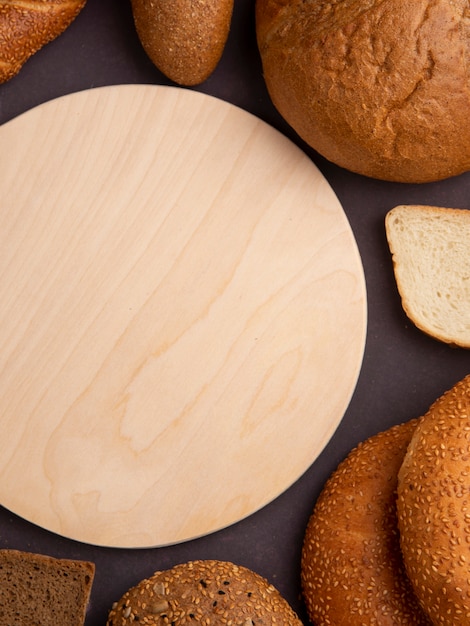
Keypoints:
pixel 204 592
pixel 380 87
pixel 352 570
pixel 434 508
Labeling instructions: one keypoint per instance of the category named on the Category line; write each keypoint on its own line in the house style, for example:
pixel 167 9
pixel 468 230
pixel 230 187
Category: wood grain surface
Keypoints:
pixel 183 315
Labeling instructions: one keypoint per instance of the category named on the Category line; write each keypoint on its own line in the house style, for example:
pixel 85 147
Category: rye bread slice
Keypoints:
pixel 41 590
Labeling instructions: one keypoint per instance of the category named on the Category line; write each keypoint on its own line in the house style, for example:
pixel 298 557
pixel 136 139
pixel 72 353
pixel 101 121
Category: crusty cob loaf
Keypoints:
pixel 380 87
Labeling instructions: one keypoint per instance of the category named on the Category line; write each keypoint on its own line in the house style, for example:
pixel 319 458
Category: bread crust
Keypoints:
pixel 185 39
pixel 206 592
pixel 28 25
pixel 352 571
pixel 379 87
pixel 434 508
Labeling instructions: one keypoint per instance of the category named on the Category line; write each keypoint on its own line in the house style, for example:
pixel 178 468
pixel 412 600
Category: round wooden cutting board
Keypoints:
pixel 183 315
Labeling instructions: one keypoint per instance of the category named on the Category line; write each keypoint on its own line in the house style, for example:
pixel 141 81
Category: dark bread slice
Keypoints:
pixel 41 590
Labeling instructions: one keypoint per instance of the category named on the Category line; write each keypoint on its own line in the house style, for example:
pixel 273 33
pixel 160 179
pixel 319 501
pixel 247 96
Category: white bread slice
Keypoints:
pixel 430 249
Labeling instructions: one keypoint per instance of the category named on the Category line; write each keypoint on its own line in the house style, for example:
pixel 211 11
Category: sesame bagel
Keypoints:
pixel 434 508
pixel 352 571
pixel 204 592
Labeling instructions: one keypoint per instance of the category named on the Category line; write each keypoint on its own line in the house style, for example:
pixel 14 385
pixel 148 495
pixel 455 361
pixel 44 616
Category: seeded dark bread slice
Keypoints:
pixel 352 570
pixel 204 592
pixel 38 589
pixel 434 508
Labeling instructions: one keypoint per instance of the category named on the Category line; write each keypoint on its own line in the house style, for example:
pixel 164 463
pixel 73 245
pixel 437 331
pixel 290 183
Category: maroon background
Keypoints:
pixel 403 370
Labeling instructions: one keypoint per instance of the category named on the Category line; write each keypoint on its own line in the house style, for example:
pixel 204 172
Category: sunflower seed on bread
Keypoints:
pixel 206 592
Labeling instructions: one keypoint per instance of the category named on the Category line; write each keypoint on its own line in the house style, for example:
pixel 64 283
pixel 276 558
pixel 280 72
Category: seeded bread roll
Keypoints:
pixel 25 27
pixel 204 592
pixel 380 87
pixel 184 38
pixel 352 571
pixel 39 589
pixel 434 508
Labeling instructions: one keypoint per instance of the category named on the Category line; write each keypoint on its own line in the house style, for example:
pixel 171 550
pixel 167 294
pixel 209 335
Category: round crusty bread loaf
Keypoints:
pixel 204 592
pixel 352 571
pixel 380 87
pixel 434 508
